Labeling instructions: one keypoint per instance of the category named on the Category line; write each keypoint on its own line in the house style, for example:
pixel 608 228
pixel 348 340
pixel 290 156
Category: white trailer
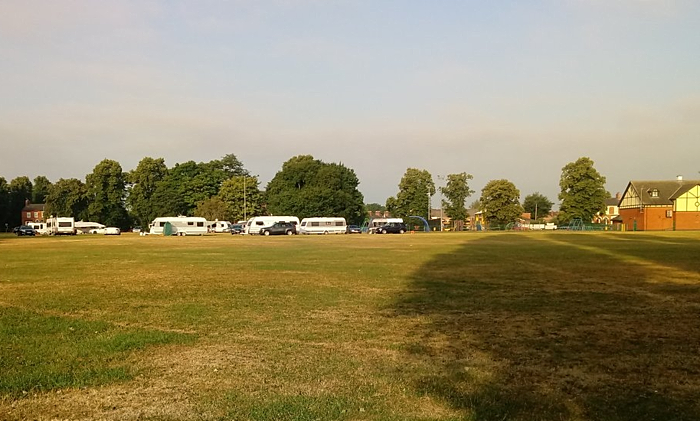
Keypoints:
pixel 39 227
pixel 58 225
pixel 220 226
pixel 378 222
pixel 254 224
pixel 180 225
pixel 319 225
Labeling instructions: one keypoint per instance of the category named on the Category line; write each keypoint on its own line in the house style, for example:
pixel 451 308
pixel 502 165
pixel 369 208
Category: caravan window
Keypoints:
pixel 190 223
pixel 161 224
pixel 260 223
pixel 314 224
pixel 303 224
pixel 200 224
pixel 340 224
pixel 64 224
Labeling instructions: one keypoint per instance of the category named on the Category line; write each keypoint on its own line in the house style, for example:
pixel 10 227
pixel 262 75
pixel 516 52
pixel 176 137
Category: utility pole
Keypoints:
pixel 245 214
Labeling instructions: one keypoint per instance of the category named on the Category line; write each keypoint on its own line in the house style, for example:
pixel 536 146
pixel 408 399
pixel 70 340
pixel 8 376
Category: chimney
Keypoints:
pixel 679 177
pixel 618 196
pixel 27 202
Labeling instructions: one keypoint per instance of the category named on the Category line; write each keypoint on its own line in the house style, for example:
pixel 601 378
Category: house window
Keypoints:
pixel 654 193
pixel 29 215
pixel 669 214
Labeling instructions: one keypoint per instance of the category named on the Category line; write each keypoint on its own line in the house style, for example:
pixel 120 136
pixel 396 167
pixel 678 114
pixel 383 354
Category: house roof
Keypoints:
pixel 33 207
pixel 668 190
pixel 613 201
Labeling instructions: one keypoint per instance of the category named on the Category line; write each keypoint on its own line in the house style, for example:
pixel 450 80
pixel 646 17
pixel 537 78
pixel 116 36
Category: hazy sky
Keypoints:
pixel 498 89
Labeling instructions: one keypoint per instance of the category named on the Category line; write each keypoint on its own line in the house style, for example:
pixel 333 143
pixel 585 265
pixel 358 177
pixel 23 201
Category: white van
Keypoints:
pixel 220 226
pixel 181 225
pixel 323 226
pixel 39 227
pixel 58 225
pixel 378 222
pixel 253 225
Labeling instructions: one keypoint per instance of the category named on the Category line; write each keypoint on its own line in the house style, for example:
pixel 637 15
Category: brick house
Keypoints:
pixel 32 212
pixel 661 205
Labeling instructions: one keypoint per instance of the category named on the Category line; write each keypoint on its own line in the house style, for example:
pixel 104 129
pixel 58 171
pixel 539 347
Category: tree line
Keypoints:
pixel 224 189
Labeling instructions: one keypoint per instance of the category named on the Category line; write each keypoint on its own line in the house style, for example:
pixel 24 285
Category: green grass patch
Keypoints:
pixel 40 353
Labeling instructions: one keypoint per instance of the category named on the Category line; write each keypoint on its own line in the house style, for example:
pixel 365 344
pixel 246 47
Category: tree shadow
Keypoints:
pixel 516 328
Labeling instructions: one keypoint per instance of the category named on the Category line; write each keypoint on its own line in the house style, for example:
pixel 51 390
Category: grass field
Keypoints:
pixel 454 326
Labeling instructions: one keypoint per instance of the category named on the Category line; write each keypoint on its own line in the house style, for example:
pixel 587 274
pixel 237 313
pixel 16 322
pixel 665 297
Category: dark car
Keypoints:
pixel 237 228
pixel 24 230
pixel 354 229
pixel 391 228
pixel 279 228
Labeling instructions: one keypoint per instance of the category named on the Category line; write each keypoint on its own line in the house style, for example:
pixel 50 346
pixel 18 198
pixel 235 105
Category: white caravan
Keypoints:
pixel 378 222
pixel 323 226
pixel 88 227
pixel 181 225
pixel 60 226
pixel 253 225
pixel 220 226
pixel 39 227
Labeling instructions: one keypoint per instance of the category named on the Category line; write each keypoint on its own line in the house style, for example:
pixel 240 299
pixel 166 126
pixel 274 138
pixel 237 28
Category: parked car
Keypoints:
pixel 279 228
pixel 24 230
pixel 112 231
pixel 354 229
pixel 237 228
pixel 392 228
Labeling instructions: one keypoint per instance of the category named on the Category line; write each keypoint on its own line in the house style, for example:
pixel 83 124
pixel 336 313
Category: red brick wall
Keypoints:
pixel 651 219
pixel 687 220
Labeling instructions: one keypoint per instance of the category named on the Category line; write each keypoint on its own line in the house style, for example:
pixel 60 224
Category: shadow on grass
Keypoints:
pixel 517 328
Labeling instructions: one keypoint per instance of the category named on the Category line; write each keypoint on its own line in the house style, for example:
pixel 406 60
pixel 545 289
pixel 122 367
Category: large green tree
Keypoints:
pixel 106 192
pixel 67 197
pixel 20 192
pixel 538 205
pixel 41 188
pixel 307 187
pixel 242 197
pixel 456 192
pixel 143 183
pixel 190 183
pixel 413 199
pixel 500 202
pixel 213 209
pixel 583 191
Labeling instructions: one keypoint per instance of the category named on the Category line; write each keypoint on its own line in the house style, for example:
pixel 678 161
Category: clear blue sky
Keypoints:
pixel 498 89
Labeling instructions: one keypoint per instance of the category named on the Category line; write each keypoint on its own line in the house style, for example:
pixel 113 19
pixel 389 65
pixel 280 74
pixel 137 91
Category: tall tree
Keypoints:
pixel 456 192
pixel 307 187
pixel 67 197
pixel 500 202
pixel 242 197
pixel 413 199
pixel 20 192
pixel 537 205
pixel 213 209
pixel 144 180
pixel 583 191
pixel 106 191
pixel 4 205
pixel 41 188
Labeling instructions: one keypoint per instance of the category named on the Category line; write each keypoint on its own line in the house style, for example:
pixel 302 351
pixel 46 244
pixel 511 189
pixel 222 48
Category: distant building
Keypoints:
pixel 32 212
pixel 661 205
pixel 612 210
